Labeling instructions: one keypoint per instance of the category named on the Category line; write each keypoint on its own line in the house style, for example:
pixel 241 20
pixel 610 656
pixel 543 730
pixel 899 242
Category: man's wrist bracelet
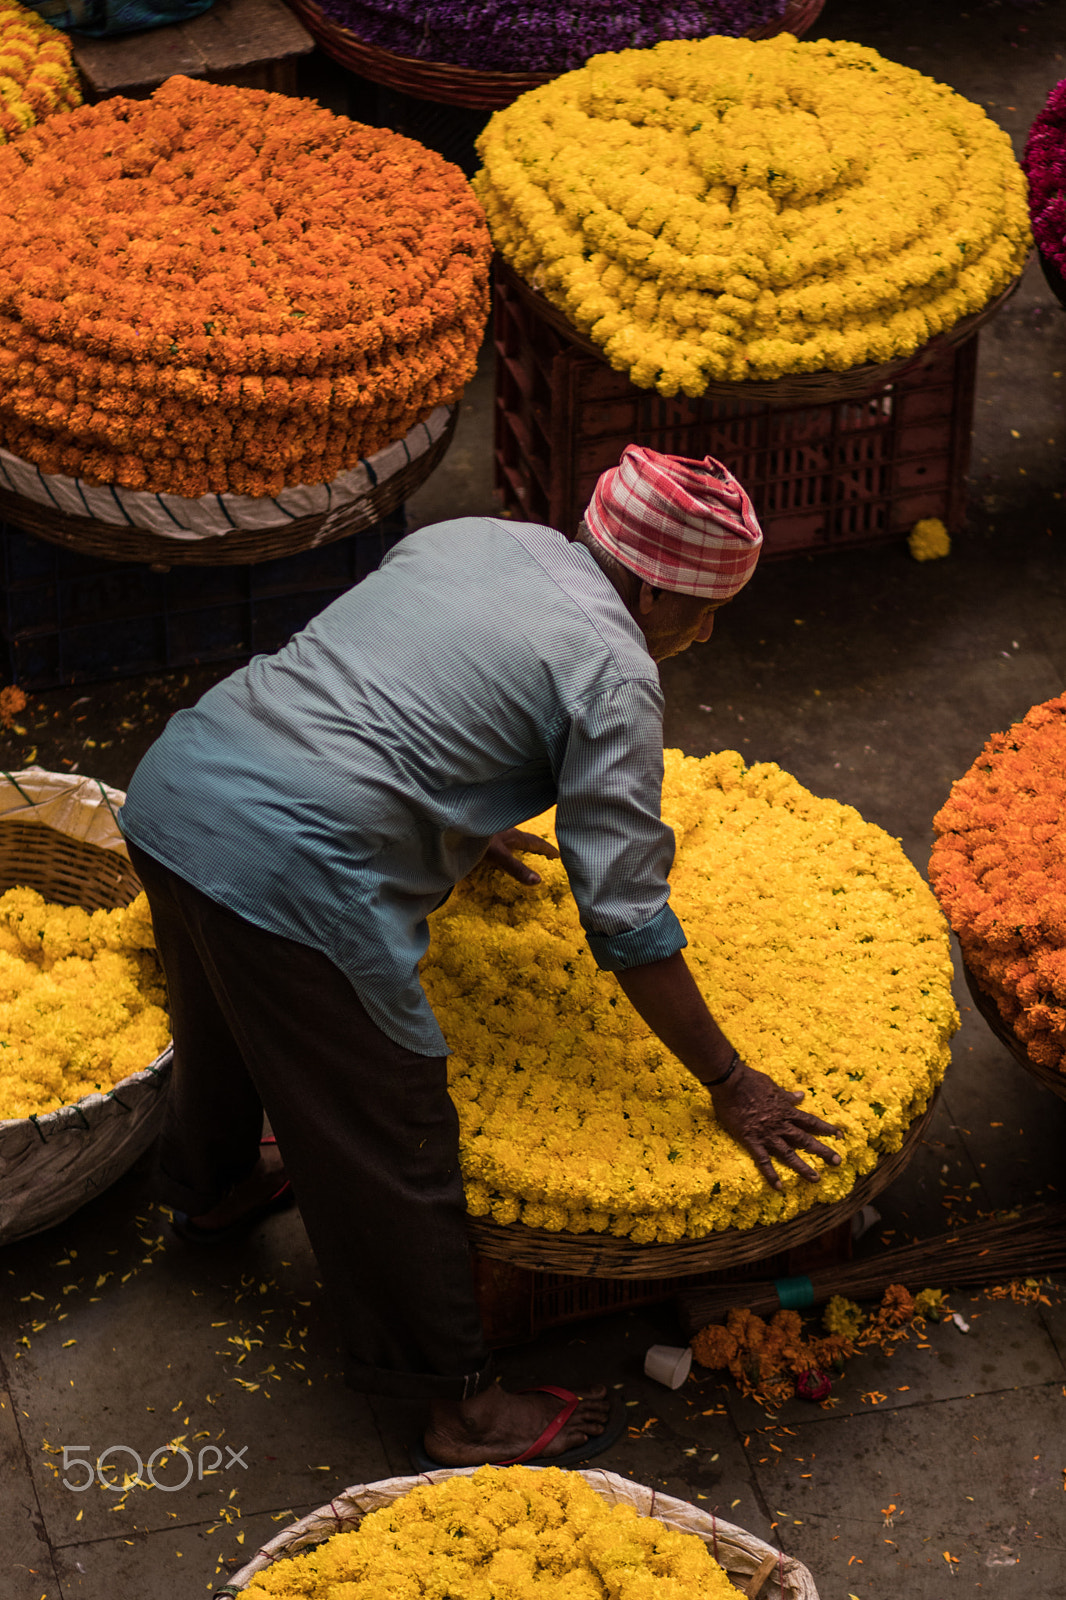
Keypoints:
pixel 712 1083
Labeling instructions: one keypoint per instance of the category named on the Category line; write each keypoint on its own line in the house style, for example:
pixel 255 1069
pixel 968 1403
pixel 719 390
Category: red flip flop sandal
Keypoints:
pixel 280 1200
pixel 571 1401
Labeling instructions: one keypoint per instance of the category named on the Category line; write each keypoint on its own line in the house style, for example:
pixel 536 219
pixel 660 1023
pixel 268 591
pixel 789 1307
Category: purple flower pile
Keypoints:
pixel 1044 162
pixel 552 36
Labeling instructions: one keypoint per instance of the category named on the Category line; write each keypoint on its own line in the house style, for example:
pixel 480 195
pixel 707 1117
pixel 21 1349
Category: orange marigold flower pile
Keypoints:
pixel 766 1359
pixel 223 290
pixel 37 73
pixel 999 870
pixel 769 1361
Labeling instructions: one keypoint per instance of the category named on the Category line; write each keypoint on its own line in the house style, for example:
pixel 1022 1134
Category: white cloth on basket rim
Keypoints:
pixel 212 516
pixel 69 802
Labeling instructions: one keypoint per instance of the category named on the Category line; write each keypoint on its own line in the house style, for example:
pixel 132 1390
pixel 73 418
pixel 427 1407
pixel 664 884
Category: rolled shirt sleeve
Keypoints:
pixel 614 844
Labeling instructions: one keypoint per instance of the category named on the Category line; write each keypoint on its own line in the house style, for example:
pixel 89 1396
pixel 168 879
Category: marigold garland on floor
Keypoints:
pixel 999 870
pixel 772 1361
pixel 555 36
pixel 723 209
pixel 502 1531
pixel 820 951
pixel 37 73
pixel 1044 162
pixel 81 1000
pixel 223 290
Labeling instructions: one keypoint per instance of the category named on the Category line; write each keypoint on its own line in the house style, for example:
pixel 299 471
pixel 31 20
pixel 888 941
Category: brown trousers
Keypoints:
pixel 368 1134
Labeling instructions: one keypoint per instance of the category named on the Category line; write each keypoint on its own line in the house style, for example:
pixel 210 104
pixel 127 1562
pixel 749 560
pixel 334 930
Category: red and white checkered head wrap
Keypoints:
pixel 682 525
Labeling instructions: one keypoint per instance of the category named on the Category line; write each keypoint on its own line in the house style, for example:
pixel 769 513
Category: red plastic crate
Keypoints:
pixel 826 476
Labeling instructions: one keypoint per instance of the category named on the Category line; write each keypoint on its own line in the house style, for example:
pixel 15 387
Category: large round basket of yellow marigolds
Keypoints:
pixel 86 1057
pixel 232 324
pixel 515 1531
pixel 585 1146
pixel 999 870
pixel 775 218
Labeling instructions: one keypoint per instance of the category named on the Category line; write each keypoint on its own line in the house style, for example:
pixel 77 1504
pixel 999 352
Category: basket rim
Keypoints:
pixel 986 1004
pixel 538 1249
pixel 475 88
pixel 46 1122
pixel 315 1527
pixel 798 388
pixel 1054 275
pixel 123 541
pixel 56 785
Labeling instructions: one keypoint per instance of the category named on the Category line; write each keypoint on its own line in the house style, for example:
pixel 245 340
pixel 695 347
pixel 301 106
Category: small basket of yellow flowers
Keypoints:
pixel 85 1056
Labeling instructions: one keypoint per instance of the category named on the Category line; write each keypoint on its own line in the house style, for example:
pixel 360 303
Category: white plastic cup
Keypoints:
pixel 668 1364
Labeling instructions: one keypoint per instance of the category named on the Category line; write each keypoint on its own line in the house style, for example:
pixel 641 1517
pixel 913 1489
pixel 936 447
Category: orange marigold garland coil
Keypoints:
pixel 998 868
pixel 224 290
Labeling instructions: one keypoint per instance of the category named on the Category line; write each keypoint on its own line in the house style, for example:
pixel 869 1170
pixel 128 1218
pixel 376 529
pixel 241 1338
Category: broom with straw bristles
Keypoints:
pixel 1027 1243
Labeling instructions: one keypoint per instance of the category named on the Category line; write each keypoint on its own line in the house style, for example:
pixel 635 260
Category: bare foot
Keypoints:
pixel 497 1426
pixel 261 1185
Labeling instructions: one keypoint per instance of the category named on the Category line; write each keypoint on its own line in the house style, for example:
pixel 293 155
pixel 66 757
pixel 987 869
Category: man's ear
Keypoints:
pixel 645 599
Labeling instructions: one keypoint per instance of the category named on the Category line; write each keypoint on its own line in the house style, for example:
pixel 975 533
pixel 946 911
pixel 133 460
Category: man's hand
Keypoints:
pixel 763 1118
pixel 501 853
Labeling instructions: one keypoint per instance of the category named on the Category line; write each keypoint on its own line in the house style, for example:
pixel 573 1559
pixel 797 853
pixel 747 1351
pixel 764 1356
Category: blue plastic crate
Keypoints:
pixel 67 618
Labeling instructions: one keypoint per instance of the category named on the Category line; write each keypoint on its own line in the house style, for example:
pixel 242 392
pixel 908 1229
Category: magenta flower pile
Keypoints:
pixel 1044 162
pixel 501 36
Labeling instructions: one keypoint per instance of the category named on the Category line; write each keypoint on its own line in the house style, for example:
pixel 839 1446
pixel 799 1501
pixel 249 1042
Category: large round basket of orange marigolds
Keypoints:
pixel 232 324
pixel 999 870
pixel 586 1147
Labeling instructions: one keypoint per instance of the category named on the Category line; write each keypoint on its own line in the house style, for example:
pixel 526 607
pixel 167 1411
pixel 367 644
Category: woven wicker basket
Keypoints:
pixel 802 388
pixel 986 1005
pixel 598 1255
pixel 754 1567
pixel 1053 278
pixel 799 17
pixel 58 836
pixel 465 86
pixel 237 547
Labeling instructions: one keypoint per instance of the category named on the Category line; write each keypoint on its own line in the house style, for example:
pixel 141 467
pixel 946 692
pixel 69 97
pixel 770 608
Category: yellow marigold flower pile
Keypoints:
pixel 503 1533
pixel 929 540
pixel 724 209
pixel 220 289
pixel 999 870
pixel 81 1000
pixel 37 74
pixel 818 948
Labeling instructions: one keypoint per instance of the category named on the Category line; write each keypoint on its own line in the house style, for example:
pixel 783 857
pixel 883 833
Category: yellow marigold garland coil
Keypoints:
pixel 817 946
pixel 37 74
pixel 725 209
pixel 81 1000
pixel 503 1531
pixel 223 290
pixel 999 870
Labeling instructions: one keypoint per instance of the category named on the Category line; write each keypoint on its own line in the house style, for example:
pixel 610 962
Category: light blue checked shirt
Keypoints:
pixel 335 792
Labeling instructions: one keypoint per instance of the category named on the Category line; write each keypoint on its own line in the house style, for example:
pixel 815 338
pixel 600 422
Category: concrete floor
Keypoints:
pixel 874 679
